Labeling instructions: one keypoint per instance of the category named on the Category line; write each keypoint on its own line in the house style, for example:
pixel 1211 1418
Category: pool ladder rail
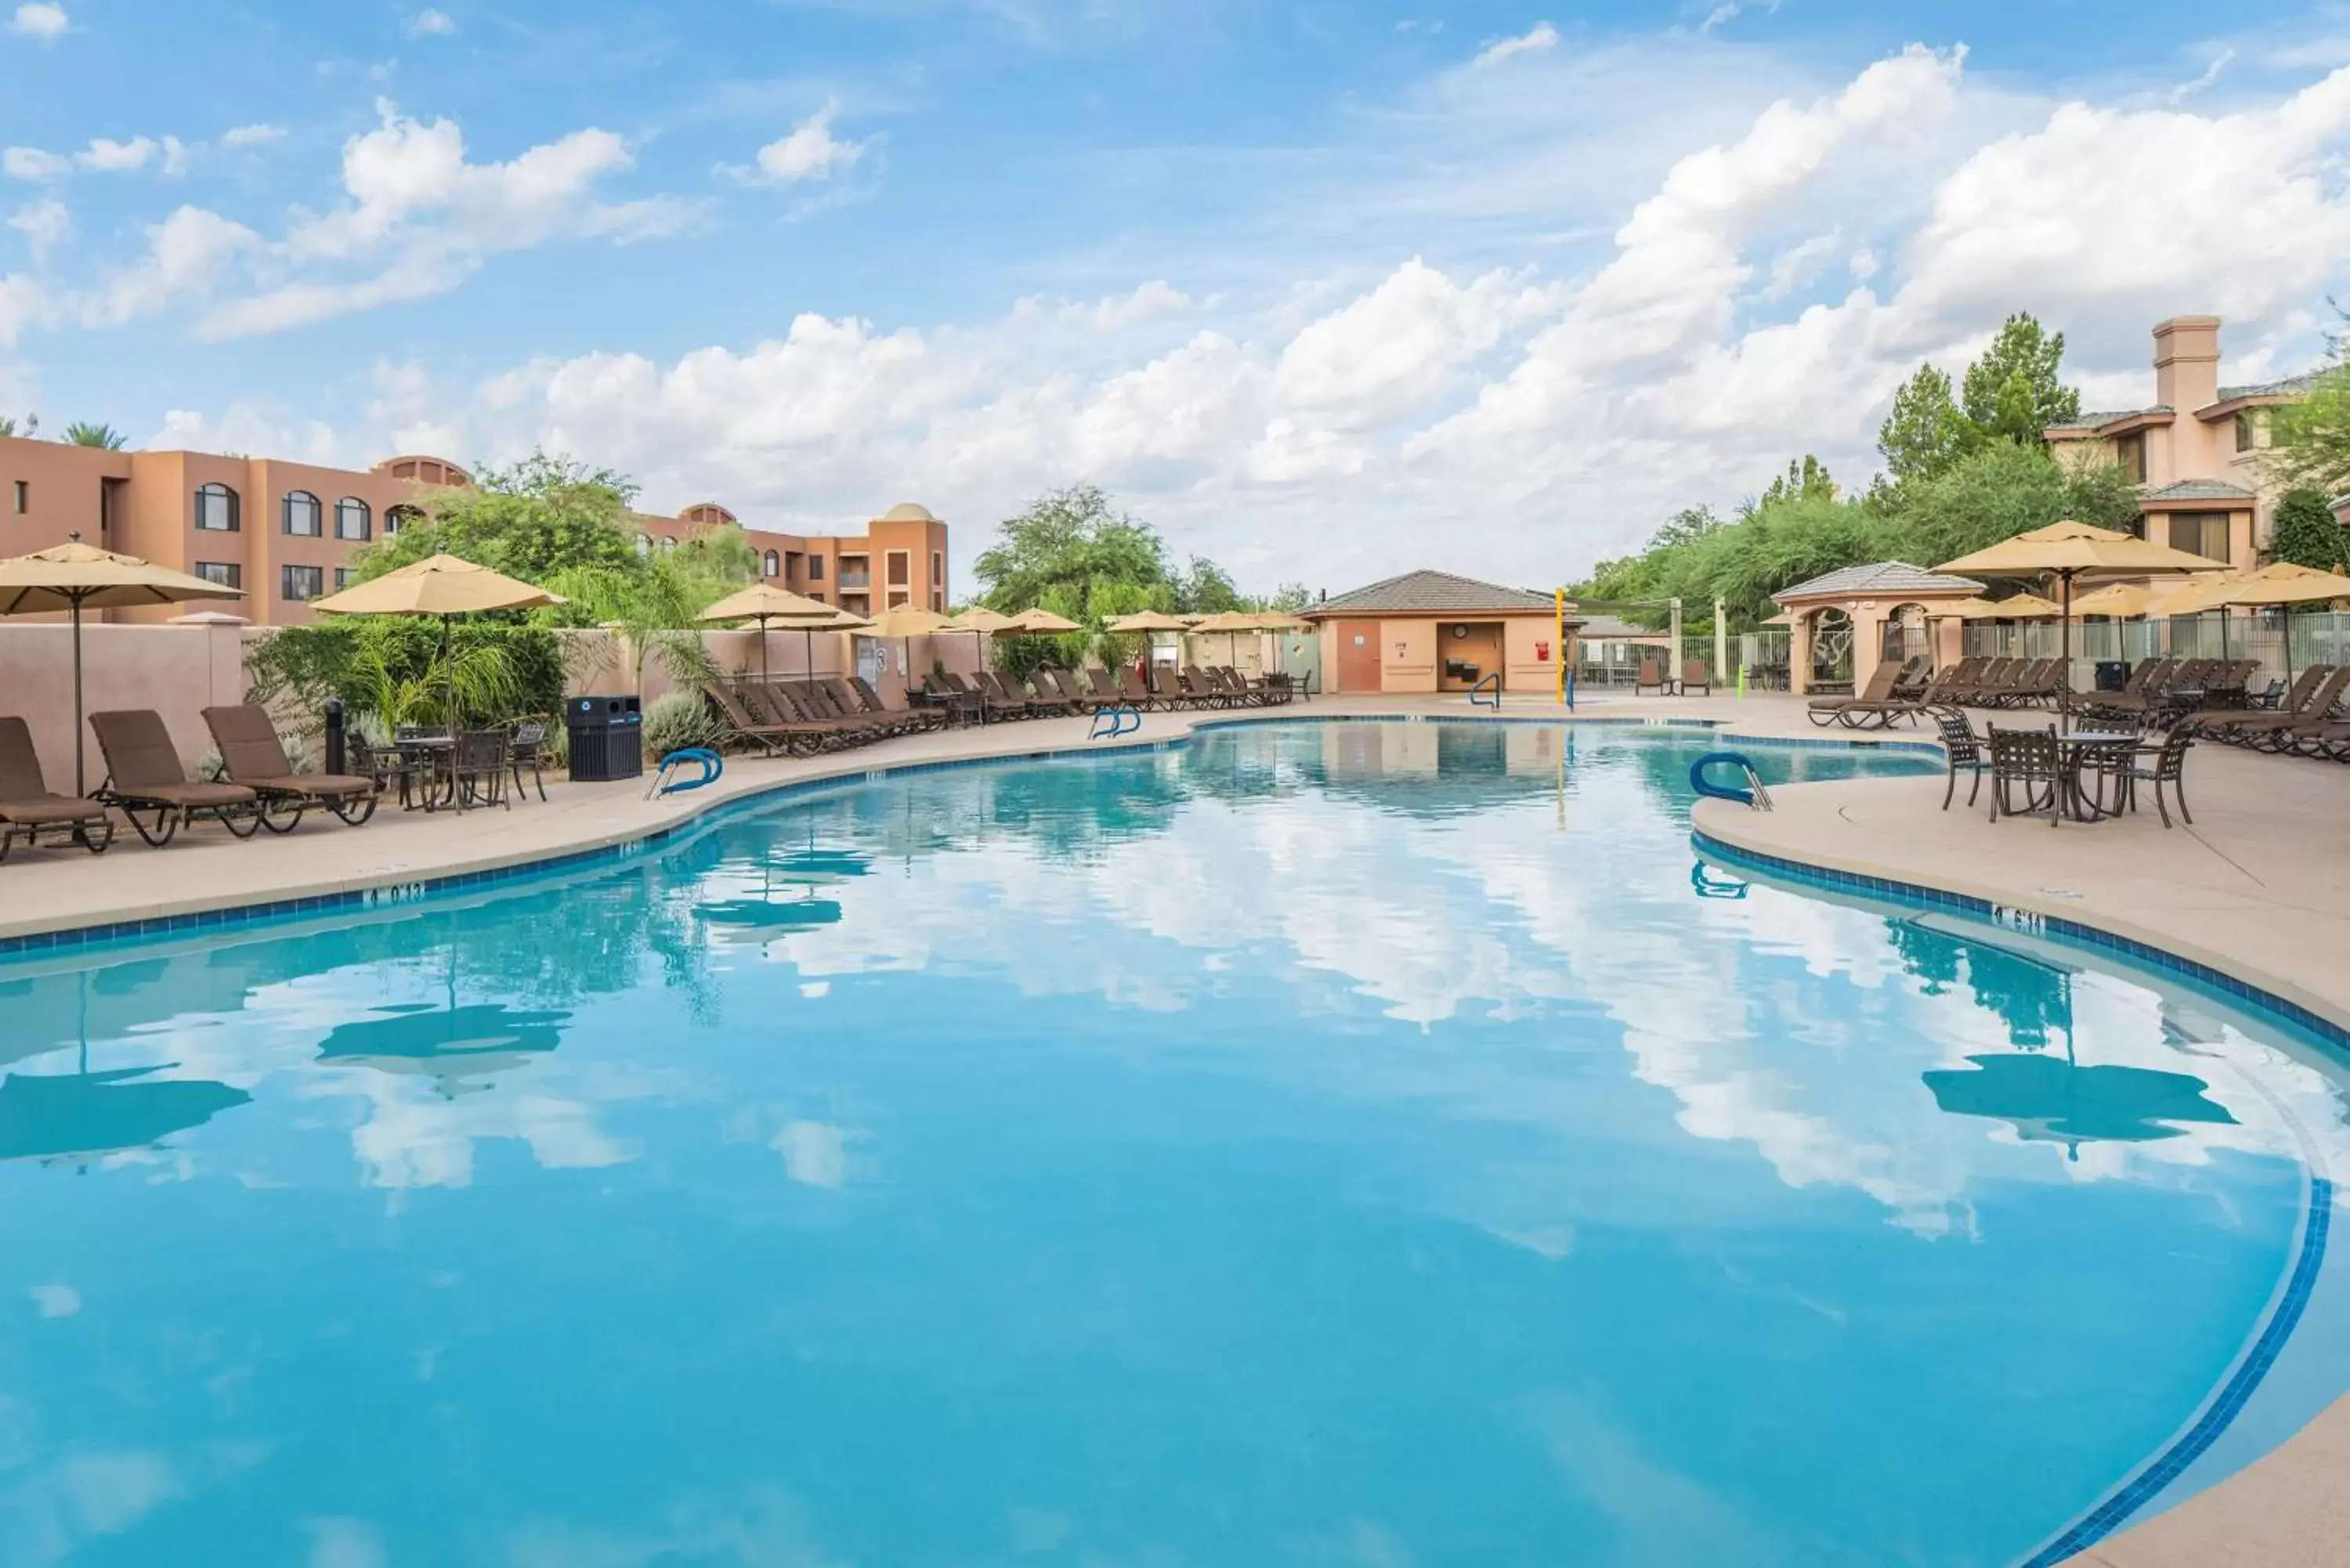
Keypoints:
pixel 1751 793
pixel 1122 719
pixel 1492 682
pixel 669 778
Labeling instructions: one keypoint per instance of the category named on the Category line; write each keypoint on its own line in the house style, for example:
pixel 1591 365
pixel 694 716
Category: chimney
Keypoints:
pixel 2187 362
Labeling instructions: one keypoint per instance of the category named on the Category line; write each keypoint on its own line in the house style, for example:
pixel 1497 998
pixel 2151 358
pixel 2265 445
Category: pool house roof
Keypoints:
pixel 1879 579
pixel 1427 593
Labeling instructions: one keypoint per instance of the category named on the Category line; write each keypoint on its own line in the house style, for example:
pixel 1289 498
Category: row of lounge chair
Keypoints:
pixel 2157 693
pixel 146 784
pixel 804 718
pixel 1048 691
pixel 2307 719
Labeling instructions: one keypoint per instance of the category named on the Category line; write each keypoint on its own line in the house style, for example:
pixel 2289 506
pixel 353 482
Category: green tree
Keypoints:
pixel 1991 494
pixel 31 427
pixel 2307 532
pixel 1206 589
pixel 656 602
pixel 2310 439
pixel 2015 389
pixel 1066 547
pixel 1927 432
pixel 1807 479
pixel 106 436
pixel 543 515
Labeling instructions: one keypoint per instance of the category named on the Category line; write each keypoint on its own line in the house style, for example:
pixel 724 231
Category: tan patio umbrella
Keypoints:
pixel 2279 583
pixel 1038 621
pixel 982 623
pixel 1228 624
pixel 2066 550
pixel 440 585
pixel 765 602
pixel 905 623
pixel 1144 622
pixel 2129 601
pixel 73 577
pixel 2022 607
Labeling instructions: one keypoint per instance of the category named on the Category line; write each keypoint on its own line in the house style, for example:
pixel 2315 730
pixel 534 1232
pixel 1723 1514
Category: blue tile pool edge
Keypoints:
pixel 2141 1488
pixel 393 889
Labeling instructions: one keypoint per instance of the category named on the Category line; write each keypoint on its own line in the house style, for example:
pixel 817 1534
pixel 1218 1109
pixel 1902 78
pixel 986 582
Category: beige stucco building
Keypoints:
pixel 2196 452
pixel 1842 624
pixel 284 533
pixel 1431 631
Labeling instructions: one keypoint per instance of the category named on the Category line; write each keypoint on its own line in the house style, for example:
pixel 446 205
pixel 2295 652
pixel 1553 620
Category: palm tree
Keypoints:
pixel 32 426
pixel 107 436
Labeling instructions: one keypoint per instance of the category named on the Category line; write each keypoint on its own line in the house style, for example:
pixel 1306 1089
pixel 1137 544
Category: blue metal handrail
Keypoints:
pixel 1124 720
pixel 711 764
pixel 1751 793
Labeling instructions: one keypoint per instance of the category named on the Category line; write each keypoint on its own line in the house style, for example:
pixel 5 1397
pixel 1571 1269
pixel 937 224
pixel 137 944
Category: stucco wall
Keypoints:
pixel 1406 656
pixel 177 671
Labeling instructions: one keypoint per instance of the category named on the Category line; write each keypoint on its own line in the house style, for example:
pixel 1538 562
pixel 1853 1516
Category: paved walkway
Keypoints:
pixel 2259 885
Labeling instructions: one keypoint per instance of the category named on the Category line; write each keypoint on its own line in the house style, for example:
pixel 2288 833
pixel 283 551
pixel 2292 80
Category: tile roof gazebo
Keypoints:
pixel 1888 608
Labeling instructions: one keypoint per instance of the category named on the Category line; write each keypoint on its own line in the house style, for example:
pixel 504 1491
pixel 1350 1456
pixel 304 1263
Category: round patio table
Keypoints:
pixel 2086 752
pixel 431 756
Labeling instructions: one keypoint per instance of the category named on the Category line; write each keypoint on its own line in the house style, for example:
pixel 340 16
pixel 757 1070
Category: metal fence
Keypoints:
pixel 2314 640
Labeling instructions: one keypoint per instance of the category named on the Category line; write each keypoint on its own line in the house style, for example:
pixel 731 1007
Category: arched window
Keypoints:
pixel 303 514
pixel 644 543
pixel 771 566
pixel 395 518
pixel 352 519
pixel 668 544
pixel 216 509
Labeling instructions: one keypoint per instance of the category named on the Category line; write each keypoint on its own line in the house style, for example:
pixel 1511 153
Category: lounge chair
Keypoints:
pixel 143 777
pixel 1167 691
pixel 2221 724
pixel 741 727
pixel 1652 673
pixel 1045 695
pixel 1695 676
pixel 2276 732
pixel 1870 703
pixel 914 718
pixel 851 702
pixel 251 754
pixel 1140 696
pixel 1203 692
pixel 1002 698
pixel 1108 693
pixel 28 811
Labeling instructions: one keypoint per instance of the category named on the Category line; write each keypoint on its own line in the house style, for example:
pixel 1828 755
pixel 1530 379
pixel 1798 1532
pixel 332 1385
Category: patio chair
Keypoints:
pixel 1138 695
pixel 1001 696
pixel 251 754
pixel 1203 692
pixel 1952 684
pixel 1107 691
pixel 2136 700
pixel 388 766
pixel 1917 678
pixel 1166 690
pixel 1045 693
pixel 2312 698
pixel 144 779
pixel 2282 732
pixel 2162 766
pixel 527 749
pixel 28 811
pixel 807 703
pixel 1651 674
pixel 739 726
pixel 1696 676
pixel 2029 762
pixel 478 769
pixel 1961 748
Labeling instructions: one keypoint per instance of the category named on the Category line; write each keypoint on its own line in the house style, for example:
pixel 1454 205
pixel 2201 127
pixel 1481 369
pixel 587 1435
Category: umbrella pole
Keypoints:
pixel 2064 658
pixel 766 676
pixel 81 783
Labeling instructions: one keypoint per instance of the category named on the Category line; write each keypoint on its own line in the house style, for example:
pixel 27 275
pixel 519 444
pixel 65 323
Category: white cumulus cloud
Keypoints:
pixel 431 24
pixel 808 151
pixel 46 224
pixel 39 19
pixel 251 135
pixel 1542 36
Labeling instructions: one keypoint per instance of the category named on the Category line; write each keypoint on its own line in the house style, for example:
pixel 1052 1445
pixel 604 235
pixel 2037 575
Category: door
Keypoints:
pixel 1358 657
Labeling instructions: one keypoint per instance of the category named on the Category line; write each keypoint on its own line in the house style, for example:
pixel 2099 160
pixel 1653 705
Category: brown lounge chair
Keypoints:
pixel 253 755
pixel 1695 677
pixel 1874 697
pixel 27 809
pixel 143 775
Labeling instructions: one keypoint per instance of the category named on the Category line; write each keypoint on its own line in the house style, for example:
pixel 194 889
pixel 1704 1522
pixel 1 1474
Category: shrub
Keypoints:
pixel 680 720
pixel 503 671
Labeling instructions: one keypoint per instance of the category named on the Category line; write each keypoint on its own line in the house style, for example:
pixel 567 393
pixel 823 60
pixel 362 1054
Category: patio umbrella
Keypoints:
pixel 1230 624
pixel 765 602
pixel 73 577
pixel 2278 584
pixel 982 623
pixel 2129 601
pixel 1144 622
pixel 906 623
pixel 2066 550
pixel 441 587
pixel 2022 607
pixel 1039 621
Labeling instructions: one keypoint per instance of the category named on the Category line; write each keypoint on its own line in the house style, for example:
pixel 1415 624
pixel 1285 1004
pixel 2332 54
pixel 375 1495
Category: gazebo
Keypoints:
pixel 1855 616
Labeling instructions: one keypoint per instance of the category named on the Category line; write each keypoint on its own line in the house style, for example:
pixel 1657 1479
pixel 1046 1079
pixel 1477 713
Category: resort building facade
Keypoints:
pixel 1431 631
pixel 286 533
pixel 2197 453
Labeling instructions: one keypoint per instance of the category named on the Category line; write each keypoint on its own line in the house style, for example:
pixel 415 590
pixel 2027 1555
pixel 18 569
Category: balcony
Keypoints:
pixel 856 582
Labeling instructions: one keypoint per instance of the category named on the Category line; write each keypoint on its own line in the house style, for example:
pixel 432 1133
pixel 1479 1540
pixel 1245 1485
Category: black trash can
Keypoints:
pixel 2113 674
pixel 608 739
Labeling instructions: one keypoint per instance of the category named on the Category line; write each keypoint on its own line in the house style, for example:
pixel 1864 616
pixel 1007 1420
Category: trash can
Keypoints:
pixel 607 738
pixel 2113 674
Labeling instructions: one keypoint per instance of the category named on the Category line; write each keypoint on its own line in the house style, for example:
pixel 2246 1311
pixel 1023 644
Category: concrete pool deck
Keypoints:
pixel 2257 888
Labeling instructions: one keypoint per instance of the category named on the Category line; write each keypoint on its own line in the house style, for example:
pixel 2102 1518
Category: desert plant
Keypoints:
pixel 106 436
pixel 679 720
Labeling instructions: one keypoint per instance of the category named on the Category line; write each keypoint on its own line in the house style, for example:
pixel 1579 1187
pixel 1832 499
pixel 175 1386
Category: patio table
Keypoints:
pixel 2086 752
pixel 429 756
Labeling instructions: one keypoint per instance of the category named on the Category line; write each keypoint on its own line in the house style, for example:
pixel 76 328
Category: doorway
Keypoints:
pixel 1358 657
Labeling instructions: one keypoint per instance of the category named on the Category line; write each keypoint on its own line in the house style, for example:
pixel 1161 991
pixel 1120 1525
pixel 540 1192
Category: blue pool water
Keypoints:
pixel 1337 1144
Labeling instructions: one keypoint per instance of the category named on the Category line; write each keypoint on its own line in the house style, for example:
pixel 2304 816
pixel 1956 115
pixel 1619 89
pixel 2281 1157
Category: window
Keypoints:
pixel 227 574
pixel 216 509
pixel 342 578
pixel 771 564
pixel 303 514
pixel 2131 452
pixel 2249 423
pixel 939 602
pixel 352 519
pixel 24 496
pixel 395 518
pixel 815 569
pixel 668 544
pixel 2201 534
pixel 897 599
pixel 304 584
pixel 644 543
pixel 938 568
pixel 900 567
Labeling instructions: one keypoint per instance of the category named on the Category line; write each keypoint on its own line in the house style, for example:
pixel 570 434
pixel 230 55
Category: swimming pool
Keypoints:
pixel 1338 1143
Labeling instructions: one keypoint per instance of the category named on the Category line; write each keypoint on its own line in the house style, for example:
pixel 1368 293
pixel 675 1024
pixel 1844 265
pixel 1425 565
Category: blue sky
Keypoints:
pixel 1325 290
